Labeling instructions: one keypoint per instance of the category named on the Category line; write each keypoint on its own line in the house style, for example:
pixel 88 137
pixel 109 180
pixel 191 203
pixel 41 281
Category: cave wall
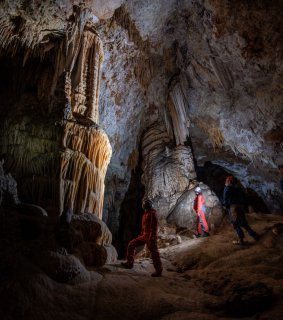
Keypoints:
pixel 205 74
pixel 231 54
pixel 223 58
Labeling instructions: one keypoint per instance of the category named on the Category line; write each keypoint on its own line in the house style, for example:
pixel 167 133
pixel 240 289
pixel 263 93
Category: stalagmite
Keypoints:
pixel 84 162
pixel 167 169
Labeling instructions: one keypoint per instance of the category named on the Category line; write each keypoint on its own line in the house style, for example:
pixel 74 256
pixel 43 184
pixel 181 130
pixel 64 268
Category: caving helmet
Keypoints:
pixel 197 190
pixel 229 180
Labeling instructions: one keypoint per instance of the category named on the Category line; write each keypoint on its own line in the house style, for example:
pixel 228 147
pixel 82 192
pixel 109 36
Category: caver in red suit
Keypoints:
pixel 199 206
pixel 148 236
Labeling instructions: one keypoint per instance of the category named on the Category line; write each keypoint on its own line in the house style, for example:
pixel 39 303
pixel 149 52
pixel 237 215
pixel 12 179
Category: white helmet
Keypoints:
pixel 197 190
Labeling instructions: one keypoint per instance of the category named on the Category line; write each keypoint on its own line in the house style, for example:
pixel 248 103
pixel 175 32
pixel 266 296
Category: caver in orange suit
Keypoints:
pixel 148 236
pixel 199 206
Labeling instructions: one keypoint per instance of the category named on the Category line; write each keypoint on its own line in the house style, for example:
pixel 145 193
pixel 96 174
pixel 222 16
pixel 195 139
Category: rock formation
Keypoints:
pixel 187 92
pixel 84 163
pixel 63 162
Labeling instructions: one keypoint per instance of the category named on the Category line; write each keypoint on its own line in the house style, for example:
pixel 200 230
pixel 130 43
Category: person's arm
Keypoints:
pixel 203 206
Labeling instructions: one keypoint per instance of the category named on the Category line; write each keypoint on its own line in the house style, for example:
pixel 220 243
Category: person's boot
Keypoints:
pixel 256 237
pixel 239 242
pixel 156 274
pixel 127 265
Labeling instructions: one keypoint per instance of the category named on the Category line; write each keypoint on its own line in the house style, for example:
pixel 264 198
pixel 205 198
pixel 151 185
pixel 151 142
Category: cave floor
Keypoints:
pixel 204 278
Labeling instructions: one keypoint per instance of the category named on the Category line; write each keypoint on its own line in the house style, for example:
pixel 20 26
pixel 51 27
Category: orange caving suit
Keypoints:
pixel 148 236
pixel 200 209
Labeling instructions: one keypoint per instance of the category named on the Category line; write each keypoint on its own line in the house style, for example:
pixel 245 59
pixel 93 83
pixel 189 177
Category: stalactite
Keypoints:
pixel 85 75
pixel 84 162
pixel 177 109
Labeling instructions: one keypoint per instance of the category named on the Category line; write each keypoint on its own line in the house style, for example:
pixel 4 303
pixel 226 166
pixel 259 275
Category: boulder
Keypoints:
pixel 183 215
pixel 112 254
pixel 92 228
pixel 62 267
pixel 31 210
pixel 93 254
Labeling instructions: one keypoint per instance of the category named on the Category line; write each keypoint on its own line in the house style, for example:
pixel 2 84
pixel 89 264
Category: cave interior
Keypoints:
pixel 104 104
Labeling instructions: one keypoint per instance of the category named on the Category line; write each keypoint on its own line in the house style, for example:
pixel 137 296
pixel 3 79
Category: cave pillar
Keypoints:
pixel 86 148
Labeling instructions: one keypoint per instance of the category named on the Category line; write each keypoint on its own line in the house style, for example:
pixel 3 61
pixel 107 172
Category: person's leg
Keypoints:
pixel 233 216
pixel 152 246
pixel 198 227
pixel 246 226
pixel 131 251
pixel 239 231
pixel 203 225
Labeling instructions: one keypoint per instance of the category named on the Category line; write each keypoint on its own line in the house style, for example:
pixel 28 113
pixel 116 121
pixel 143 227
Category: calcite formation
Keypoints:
pixel 167 168
pixel 177 105
pixel 84 75
pixel 8 186
pixel 60 162
pixel 32 155
pixel 84 162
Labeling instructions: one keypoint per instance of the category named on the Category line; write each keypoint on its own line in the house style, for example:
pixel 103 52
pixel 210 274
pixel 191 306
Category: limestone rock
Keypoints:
pixel 245 299
pixel 31 210
pixel 112 254
pixel 92 254
pixel 168 240
pixel 167 169
pixel 8 187
pixel 69 237
pixel 92 228
pixel 183 214
pixel 63 268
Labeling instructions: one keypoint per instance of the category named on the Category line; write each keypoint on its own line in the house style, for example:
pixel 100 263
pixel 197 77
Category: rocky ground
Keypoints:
pixel 204 278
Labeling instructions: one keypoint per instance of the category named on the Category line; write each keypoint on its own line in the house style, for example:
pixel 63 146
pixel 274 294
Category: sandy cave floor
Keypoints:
pixel 204 278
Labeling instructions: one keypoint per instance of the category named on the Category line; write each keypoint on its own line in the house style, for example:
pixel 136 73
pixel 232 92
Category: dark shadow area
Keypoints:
pixel 214 176
pixel 130 212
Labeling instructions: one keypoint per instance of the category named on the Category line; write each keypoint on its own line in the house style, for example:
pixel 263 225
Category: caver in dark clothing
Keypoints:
pixel 239 221
pixel 148 236
pixel 235 201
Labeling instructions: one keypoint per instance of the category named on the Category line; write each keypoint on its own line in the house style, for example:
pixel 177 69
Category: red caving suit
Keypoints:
pixel 148 236
pixel 200 209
